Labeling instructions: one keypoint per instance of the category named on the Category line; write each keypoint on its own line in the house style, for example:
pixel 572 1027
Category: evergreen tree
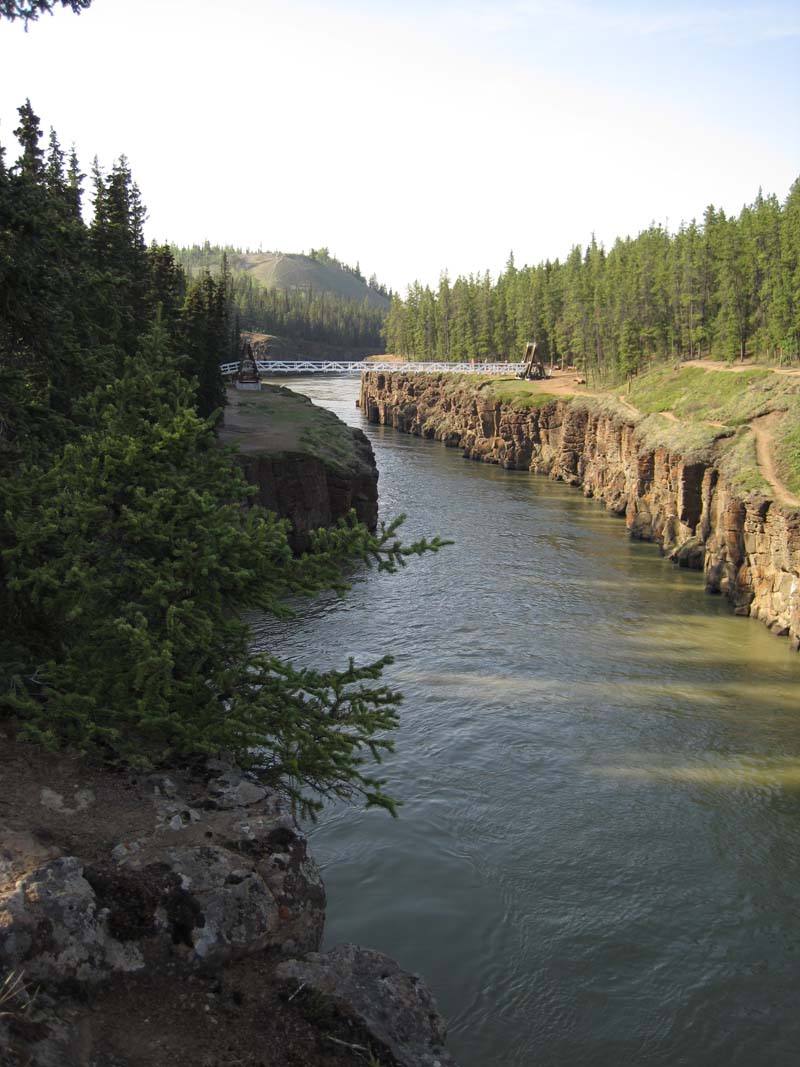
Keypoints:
pixel 203 340
pixel 135 547
pixel 126 549
pixel 728 288
pixel 30 10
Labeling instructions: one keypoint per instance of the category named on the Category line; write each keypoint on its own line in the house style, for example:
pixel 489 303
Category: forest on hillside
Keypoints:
pixel 728 288
pixel 302 313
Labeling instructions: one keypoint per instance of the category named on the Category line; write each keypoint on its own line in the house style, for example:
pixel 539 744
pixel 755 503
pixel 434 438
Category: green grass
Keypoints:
pixel 607 404
pixel 710 395
pixel 282 421
pixel 329 442
pixel 517 393
pixel 787 448
pixel 701 397
pixel 738 462
pixel 692 440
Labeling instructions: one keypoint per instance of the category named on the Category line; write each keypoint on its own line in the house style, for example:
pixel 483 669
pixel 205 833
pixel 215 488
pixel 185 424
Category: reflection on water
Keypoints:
pixel 777 773
pixel 597 859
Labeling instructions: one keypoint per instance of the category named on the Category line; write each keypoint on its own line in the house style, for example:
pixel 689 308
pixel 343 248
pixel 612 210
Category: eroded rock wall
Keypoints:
pixel 748 547
pixel 311 493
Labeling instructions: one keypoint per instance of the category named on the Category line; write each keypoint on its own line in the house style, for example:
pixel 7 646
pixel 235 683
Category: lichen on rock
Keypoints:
pixel 214 881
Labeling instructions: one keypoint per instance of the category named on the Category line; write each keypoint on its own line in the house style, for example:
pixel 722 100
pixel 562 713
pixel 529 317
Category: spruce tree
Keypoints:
pixel 134 552
pixel 30 10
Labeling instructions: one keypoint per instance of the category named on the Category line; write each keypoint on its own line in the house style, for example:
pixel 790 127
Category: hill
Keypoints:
pixel 319 272
pixel 280 270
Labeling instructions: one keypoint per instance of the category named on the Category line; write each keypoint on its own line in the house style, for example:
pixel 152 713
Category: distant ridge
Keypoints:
pixel 289 270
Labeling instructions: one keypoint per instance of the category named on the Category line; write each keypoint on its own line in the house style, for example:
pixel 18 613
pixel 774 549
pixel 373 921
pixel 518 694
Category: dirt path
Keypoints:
pixel 737 368
pixel 628 405
pixel 762 431
pixel 674 418
pixel 564 384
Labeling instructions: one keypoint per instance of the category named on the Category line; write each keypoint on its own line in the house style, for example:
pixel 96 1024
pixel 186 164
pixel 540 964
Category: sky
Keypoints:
pixel 417 137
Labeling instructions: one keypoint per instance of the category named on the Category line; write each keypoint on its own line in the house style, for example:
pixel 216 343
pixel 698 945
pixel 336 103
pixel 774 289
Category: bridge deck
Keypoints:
pixel 307 366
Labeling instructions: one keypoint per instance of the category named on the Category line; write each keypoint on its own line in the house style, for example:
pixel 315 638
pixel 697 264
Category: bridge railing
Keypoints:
pixel 307 366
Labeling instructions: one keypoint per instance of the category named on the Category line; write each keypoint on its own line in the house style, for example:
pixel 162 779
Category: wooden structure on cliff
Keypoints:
pixel 532 366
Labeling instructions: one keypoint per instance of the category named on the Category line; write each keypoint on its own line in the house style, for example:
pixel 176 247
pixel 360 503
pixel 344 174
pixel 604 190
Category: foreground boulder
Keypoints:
pixel 392 1009
pixel 224 871
pixel 145 921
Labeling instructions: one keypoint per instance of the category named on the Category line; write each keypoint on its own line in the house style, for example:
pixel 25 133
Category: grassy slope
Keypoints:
pixel 516 393
pixel 724 402
pixel 711 408
pixel 279 270
pixel 696 393
pixel 787 448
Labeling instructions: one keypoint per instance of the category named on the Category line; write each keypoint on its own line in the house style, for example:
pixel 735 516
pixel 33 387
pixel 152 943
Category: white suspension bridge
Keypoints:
pixel 267 367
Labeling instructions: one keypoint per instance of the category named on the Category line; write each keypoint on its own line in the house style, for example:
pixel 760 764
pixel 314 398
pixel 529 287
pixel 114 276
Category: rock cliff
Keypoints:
pixel 310 493
pixel 747 545
pixel 306 464
pixel 175 920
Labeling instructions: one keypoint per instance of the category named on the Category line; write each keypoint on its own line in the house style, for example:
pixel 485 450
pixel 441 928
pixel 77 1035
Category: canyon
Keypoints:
pixel 746 544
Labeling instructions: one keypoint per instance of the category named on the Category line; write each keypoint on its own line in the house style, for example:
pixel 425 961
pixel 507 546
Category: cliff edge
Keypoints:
pixel 698 494
pixel 175 920
pixel 306 464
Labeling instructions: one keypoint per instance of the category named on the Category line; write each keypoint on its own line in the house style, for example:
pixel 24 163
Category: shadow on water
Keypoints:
pixel 598 856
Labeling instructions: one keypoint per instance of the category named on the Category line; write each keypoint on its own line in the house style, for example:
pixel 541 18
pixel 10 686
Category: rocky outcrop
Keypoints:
pixel 392 1006
pixel 306 464
pixel 312 493
pixel 213 877
pixel 748 546
pixel 225 870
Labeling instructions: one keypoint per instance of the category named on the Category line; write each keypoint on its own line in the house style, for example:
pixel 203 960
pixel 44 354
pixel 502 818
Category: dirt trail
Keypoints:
pixel 674 418
pixel 737 368
pixel 762 431
pixel 628 405
pixel 564 384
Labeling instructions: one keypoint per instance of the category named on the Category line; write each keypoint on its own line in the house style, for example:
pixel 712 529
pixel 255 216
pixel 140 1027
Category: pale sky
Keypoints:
pixel 414 137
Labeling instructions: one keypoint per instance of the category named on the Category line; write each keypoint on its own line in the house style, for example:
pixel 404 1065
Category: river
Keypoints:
pixel 597 860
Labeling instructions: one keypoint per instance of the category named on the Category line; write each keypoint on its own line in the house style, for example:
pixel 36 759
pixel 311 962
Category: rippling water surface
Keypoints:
pixel 598 856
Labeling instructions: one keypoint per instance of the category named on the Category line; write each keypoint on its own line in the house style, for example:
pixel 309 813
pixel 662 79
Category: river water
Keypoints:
pixel 597 861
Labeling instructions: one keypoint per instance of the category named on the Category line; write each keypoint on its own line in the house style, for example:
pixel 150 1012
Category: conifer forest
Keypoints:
pixel 727 287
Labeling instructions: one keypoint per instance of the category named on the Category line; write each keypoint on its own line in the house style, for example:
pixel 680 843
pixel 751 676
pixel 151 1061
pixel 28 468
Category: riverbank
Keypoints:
pixel 680 464
pixel 175 920
pixel 306 464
